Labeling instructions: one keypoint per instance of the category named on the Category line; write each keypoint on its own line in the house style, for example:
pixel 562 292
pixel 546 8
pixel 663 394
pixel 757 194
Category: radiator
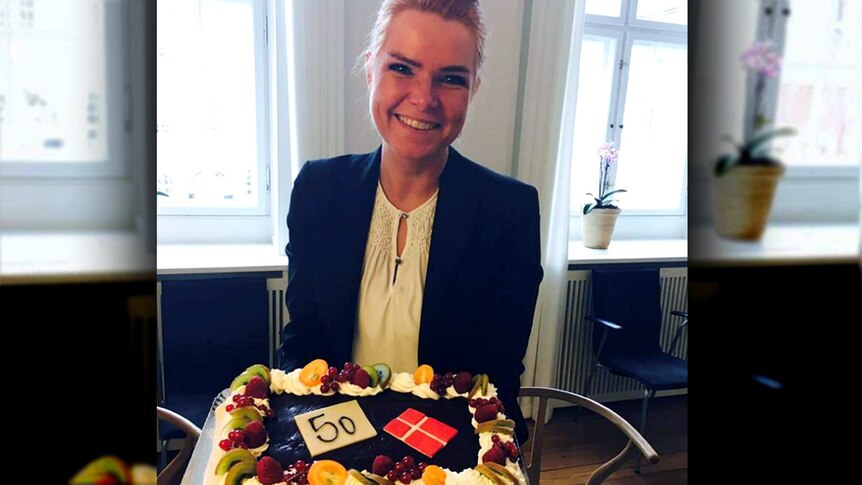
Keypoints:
pixel 575 355
pixel 275 288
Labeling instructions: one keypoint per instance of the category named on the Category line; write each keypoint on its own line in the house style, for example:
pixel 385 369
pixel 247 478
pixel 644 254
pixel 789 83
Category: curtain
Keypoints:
pixel 543 160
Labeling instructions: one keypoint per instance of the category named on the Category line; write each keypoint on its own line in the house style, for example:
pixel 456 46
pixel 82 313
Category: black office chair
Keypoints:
pixel 627 319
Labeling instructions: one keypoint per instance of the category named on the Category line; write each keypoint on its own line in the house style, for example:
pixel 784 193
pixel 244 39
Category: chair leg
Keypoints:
pixel 648 394
pixel 587 389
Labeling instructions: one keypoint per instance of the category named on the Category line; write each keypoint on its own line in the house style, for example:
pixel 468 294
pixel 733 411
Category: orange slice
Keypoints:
pixel 434 475
pixel 312 372
pixel 327 472
pixel 423 375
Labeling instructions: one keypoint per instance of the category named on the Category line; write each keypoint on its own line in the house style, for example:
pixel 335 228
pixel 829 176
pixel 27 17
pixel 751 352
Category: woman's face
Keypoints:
pixel 422 81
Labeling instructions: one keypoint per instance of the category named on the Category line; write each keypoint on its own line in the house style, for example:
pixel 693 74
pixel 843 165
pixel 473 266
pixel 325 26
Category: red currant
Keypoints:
pixel 270 413
pixel 225 444
pixel 334 386
pixel 300 466
pixel 408 462
pixel 495 439
pixel 236 397
pixel 405 477
pixel 229 407
pixel 324 388
pixel 422 466
pixel 392 476
pixel 399 467
pixel 236 436
pixel 326 379
pixel 416 474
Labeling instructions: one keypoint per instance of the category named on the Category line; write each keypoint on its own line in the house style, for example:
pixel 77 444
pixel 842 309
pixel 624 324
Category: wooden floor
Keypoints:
pixel 572 450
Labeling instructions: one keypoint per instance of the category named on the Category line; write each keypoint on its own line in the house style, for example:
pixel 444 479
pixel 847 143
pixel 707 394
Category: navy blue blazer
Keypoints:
pixel 483 276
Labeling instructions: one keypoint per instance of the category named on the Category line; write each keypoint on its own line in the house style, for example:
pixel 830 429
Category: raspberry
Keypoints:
pixel 255 434
pixel 463 382
pixel 257 387
pixel 486 413
pixel 496 455
pixel 382 465
pixel 361 378
pixel 269 471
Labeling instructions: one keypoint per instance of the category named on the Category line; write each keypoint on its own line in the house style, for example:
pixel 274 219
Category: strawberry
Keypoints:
pixel 255 434
pixel 496 455
pixel 257 387
pixel 486 413
pixel 269 471
pixel 382 465
pixel 463 382
pixel 361 378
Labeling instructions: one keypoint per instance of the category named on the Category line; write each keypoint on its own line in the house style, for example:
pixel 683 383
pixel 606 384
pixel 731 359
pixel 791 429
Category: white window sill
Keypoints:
pixel 184 259
pixel 630 251
pixel 796 244
pixel 31 257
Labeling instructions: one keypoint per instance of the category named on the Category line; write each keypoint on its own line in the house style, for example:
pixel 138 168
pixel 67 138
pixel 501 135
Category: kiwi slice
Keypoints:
pixel 232 457
pixel 246 412
pixel 378 480
pixel 259 370
pixel 372 373
pixel 234 423
pixel 101 468
pixel 240 471
pixel 240 380
pixel 359 477
pixel 490 475
pixel 502 471
pixel 384 374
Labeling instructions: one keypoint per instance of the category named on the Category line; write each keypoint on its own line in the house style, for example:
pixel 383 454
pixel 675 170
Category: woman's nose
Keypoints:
pixel 422 94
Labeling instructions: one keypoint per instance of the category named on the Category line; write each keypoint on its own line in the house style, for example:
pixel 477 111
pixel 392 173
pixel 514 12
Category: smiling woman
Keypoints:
pixel 422 253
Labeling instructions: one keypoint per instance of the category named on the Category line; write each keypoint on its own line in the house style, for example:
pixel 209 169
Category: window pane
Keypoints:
pixel 609 8
pixel 670 11
pixel 41 119
pixel 821 82
pixel 206 109
pixel 595 80
pixel 653 142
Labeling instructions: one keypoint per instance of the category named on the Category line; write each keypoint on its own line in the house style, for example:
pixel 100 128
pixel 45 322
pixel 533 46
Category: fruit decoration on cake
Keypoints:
pixel 241 456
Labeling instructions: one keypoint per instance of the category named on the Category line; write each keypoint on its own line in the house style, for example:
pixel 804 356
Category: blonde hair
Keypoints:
pixel 465 11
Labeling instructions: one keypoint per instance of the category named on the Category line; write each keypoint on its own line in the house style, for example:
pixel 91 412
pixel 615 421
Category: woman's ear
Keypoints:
pixel 476 84
pixel 369 71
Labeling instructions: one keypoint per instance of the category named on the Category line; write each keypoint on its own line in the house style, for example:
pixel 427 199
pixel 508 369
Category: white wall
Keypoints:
pixel 489 133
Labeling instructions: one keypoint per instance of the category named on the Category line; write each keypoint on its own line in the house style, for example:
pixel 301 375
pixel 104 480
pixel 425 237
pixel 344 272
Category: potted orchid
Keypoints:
pixel 600 216
pixel 746 180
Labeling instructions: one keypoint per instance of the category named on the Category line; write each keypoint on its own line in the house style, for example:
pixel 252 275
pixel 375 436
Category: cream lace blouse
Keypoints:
pixel 390 295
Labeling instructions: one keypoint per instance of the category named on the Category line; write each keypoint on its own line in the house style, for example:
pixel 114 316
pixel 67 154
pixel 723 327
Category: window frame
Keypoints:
pixel 625 29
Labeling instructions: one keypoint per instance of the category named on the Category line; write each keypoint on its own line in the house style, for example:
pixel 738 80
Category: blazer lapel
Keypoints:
pixel 453 219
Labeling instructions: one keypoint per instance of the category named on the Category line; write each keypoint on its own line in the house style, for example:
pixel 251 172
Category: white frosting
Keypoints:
pixel 354 390
pixel 402 382
pixel 424 391
pixel 290 384
pixel 452 393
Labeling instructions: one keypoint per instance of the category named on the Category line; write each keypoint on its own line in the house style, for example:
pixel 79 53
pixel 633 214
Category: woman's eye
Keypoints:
pixel 454 80
pixel 400 68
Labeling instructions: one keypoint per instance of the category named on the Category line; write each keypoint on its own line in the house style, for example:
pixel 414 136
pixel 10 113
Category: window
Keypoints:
pixel 632 89
pixel 66 118
pixel 211 132
pixel 820 92
pixel 72 128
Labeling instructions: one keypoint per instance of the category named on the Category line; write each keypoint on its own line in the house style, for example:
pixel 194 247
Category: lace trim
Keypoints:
pixel 384 226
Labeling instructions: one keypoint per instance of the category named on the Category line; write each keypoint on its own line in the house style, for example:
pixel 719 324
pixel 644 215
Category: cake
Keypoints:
pixel 422 428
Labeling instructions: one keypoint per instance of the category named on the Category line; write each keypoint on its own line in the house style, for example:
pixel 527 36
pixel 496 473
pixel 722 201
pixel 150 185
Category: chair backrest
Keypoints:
pixel 630 298
pixel 636 443
pixel 173 472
